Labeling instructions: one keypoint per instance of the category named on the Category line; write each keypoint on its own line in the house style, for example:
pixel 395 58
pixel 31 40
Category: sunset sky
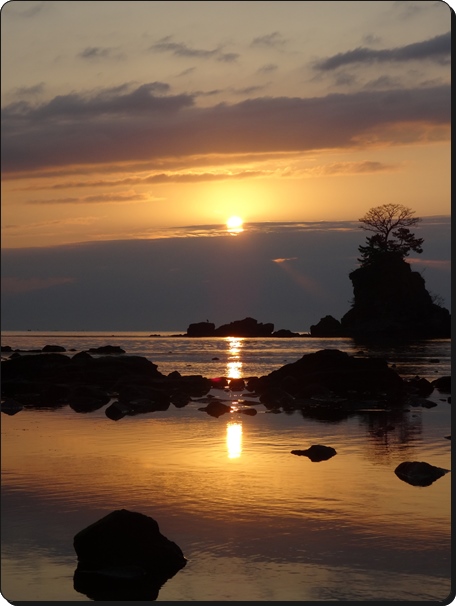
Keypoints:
pixel 146 121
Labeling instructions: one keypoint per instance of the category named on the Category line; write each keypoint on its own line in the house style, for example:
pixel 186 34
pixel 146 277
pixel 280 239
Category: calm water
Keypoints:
pixel 255 522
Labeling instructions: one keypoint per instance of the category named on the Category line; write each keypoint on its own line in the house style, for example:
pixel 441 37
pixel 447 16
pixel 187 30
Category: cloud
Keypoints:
pixel 148 124
pixel 351 168
pixel 437 49
pixel 108 198
pixel 268 68
pixel 274 40
pixel 97 52
pixel 179 49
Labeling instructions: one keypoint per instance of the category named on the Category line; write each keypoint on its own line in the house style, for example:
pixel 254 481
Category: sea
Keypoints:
pixel 255 522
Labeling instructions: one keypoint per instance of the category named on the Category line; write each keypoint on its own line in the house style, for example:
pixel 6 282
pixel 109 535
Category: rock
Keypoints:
pixel 201 329
pixel 316 453
pixel 124 556
pixel 10 406
pixel 107 349
pixel 285 334
pixel 249 327
pixel 419 473
pixel 117 411
pixel 216 408
pixel 326 327
pixel 236 384
pixel 251 412
pixel 53 348
pixel 420 387
pixel 391 300
pixel 443 384
pixel 336 371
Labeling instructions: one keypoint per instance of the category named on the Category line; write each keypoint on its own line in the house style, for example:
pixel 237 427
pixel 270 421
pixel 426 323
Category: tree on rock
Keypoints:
pixel 390 224
pixel 391 300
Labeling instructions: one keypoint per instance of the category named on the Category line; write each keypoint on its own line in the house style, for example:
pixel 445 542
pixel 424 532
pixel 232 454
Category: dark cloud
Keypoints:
pixel 275 39
pixel 147 124
pixel 97 52
pixel 289 274
pixel 436 49
pixel 108 198
pixel 179 49
pixel 29 91
pixel 268 68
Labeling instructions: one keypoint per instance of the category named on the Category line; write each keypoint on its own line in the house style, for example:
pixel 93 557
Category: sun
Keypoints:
pixel 234 223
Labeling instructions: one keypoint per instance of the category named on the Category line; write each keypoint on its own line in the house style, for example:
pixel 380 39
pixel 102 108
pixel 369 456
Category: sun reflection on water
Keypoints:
pixel 234 364
pixel 234 439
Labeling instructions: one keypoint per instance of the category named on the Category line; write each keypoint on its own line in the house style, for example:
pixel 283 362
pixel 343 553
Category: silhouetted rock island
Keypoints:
pixel 249 327
pixel 390 301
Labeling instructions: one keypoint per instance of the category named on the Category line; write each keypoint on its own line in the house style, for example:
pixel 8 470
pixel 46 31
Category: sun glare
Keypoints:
pixel 234 224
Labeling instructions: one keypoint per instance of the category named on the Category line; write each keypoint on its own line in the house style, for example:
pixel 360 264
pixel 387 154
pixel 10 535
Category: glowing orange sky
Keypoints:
pixel 122 119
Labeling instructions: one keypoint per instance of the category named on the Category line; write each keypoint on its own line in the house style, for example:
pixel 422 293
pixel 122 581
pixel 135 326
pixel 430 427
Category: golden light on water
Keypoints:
pixel 234 364
pixel 234 439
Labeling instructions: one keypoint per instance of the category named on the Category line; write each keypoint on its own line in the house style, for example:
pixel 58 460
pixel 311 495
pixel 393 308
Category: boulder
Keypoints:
pixel 53 349
pixel 419 473
pixel 316 453
pixel 237 384
pixel 124 556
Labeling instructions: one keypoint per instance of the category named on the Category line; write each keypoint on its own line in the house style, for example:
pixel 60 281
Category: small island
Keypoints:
pixel 248 327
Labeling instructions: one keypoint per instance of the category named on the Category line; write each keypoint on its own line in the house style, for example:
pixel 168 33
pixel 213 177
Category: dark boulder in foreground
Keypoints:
pixel 123 556
pixel 419 473
pixel 316 453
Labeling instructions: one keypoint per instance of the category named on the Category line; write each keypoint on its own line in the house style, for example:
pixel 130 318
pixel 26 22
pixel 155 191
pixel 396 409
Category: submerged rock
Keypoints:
pixel 316 453
pixel 419 473
pixel 124 556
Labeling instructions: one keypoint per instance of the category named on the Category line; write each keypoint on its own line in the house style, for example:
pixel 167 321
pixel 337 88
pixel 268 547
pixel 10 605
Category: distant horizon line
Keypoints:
pixel 221 229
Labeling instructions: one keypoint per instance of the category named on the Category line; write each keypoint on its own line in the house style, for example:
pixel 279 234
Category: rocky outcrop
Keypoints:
pixel 327 327
pixel 248 327
pixel 124 556
pixel 87 383
pixel 338 372
pixel 391 300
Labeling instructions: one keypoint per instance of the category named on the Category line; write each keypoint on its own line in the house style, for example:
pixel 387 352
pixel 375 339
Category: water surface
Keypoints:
pixel 254 521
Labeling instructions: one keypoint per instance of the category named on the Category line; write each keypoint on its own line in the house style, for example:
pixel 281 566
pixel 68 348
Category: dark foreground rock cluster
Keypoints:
pixel 328 380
